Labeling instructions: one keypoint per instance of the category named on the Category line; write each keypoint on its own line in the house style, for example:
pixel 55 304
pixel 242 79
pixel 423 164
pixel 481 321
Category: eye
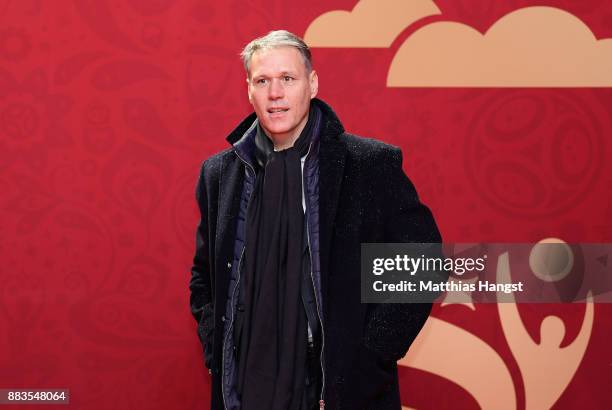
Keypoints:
pixel 287 78
pixel 260 81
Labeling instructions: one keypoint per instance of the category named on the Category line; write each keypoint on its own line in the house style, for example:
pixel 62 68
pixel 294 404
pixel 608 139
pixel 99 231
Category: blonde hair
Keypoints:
pixel 275 39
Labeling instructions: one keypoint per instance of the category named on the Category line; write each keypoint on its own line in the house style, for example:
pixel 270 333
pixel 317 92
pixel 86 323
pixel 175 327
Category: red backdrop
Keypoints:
pixel 107 109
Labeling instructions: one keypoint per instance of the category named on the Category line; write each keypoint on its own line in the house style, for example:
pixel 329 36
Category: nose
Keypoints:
pixel 276 89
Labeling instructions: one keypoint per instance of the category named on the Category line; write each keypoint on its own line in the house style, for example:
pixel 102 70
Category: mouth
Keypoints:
pixel 277 110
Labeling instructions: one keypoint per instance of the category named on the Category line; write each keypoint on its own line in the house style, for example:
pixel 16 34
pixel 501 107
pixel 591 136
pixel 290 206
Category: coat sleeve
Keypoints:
pixel 200 299
pixel 391 328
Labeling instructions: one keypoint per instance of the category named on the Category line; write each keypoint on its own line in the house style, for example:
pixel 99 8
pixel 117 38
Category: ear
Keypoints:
pixel 249 90
pixel 314 84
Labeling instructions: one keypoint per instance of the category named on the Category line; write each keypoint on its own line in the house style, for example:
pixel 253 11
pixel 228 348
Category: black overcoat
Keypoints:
pixel 364 196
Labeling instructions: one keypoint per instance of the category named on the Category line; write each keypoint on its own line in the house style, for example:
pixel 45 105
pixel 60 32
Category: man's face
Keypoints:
pixel 280 89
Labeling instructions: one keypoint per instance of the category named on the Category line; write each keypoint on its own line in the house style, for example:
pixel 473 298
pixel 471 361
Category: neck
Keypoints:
pixel 284 143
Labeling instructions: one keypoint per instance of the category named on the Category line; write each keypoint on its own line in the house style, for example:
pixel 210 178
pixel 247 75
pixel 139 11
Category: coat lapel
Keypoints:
pixel 332 155
pixel 230 189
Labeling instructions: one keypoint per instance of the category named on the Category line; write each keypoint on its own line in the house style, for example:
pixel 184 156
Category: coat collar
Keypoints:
pixel 331 156
pixel 331 127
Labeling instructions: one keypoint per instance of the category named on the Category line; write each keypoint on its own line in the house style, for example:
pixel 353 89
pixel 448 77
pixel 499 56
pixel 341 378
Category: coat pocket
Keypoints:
pixel 369 377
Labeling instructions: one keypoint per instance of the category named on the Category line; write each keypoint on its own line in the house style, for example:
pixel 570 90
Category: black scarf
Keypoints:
pixel 273 334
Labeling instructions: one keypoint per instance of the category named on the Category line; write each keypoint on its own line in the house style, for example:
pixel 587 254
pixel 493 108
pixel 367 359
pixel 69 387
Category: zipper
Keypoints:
pixel 321 400
pixel 234 293
pixel 229 331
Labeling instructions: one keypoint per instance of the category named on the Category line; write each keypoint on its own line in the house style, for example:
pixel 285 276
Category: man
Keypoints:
pixel 275 284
